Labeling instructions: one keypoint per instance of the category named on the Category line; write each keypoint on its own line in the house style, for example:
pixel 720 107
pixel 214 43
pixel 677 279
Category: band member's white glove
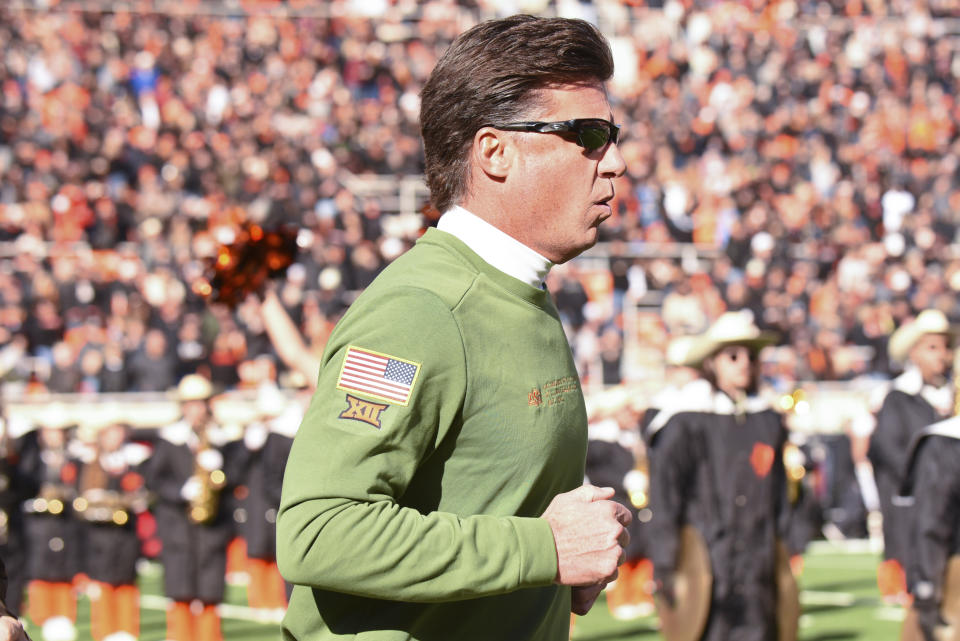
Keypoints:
pixel 191 489
pixel 210 460
pixel 255 436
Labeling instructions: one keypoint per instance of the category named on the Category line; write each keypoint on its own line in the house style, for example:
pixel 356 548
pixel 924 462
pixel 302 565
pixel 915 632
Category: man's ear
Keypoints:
pixel 493 152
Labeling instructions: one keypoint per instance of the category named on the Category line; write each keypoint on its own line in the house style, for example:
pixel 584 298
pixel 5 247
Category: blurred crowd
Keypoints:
pixel 810 151
pixel 797 159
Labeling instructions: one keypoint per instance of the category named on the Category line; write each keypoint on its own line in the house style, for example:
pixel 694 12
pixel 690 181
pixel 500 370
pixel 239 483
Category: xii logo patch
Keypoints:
pixel 365 411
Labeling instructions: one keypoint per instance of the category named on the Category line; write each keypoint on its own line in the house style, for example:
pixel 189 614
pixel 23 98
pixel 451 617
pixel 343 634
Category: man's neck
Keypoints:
pixel 495 246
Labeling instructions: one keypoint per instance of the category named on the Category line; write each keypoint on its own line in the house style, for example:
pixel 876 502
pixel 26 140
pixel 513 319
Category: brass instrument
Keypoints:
pixel 106 506
pixel 956 385
pixel 52 499
pixel 98 504
pixel 203 508
pixel 794 461
pixel 637 483
pixel 693 585
pixel 788 596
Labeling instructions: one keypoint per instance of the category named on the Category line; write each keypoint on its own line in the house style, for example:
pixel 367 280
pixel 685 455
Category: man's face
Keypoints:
pixel 195 413
pixel 568 187
pixel 931 355
pixel 732 367
pixel 111 437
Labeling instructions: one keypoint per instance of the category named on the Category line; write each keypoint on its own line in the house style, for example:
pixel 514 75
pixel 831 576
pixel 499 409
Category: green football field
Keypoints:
pixel 838 594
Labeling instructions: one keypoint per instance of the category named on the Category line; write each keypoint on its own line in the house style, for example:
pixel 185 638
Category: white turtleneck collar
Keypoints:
pixel 496 247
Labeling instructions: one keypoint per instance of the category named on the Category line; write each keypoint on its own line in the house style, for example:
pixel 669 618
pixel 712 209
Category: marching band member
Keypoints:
pixel 53 545
pixel 932 487
pixel 919 397
pixel 276 450
pixel 267 443
pixel 11 629
pixel 19 451
pixel 110 497
pixel 717 471
pixel 616 458
pixel 186 474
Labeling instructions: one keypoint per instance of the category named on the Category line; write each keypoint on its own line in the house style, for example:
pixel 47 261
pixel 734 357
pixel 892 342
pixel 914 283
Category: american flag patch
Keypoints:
pixel 378 375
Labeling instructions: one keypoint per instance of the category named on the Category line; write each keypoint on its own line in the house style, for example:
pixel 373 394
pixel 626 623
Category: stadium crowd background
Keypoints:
pixel 809 150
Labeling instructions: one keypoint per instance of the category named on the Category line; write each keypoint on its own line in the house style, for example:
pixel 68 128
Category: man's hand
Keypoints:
pixel 584 596
pixel 666 592
pixel 191 489
pixel 590 533
pixel 12 630
pixel 929 619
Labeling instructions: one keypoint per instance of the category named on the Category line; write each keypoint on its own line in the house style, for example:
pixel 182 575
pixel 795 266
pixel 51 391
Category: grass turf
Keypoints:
pixel 839 598
pixel 838 594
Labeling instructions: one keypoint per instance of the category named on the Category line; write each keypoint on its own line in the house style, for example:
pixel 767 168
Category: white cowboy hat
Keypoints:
pixel 677 350
pixel 929 321
pixel 194 387
pixel 731 328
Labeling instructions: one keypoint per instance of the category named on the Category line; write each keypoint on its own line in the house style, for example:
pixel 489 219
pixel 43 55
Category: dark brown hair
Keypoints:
pixel 492 74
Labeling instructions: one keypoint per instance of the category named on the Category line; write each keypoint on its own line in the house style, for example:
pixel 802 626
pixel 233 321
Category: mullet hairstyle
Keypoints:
pixel 492 73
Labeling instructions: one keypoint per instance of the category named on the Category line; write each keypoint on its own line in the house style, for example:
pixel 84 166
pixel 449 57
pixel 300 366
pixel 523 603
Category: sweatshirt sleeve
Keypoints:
pixel 343 523
pixel 888 444
pixel 160 475
pixel 669 488
pixel 937 503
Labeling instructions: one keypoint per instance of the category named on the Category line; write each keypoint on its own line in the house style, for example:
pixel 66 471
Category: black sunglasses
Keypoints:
pixel 592 133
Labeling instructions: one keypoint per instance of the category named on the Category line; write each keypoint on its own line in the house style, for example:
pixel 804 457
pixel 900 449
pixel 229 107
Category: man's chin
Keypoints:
pixel 587 244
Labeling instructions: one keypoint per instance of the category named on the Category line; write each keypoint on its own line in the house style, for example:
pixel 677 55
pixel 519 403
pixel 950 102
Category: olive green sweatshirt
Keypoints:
pixel 448 414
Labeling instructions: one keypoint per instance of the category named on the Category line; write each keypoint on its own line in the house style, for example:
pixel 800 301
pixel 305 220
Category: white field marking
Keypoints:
pixel 844 546
pixel 226 610
pixel 820 597
pixel 890 613
pixel 837 562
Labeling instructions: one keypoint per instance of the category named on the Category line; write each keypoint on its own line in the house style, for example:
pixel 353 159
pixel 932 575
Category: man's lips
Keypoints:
pixel 605 204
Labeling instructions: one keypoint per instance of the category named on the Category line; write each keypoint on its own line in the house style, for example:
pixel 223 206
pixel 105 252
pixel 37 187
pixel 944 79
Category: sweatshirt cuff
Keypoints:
pixel 538 552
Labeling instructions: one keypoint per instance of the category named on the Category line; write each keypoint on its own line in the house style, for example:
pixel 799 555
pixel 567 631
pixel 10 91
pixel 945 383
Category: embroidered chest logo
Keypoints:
pixel 553 393
pixel 534 398
pixel 365 411
pixel 762 459
pixel 558 391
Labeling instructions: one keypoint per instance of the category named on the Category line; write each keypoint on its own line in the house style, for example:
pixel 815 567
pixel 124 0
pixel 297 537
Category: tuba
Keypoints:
pixel 203 508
